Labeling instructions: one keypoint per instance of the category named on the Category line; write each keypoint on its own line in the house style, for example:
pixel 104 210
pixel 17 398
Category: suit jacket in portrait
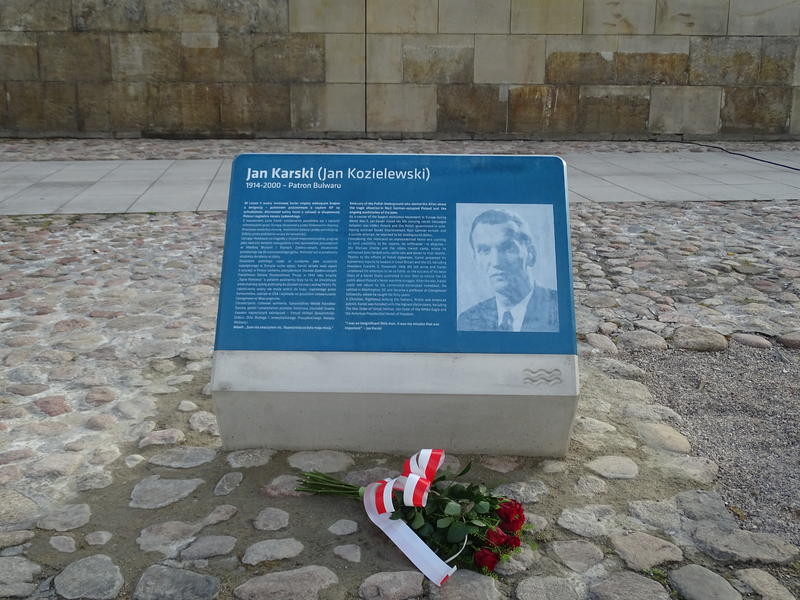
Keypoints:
pixel 540 315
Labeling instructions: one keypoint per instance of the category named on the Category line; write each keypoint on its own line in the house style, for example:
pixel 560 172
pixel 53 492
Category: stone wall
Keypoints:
pixel 493 68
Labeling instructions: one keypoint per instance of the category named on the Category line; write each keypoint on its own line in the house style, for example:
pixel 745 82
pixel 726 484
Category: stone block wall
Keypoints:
pixel 489 68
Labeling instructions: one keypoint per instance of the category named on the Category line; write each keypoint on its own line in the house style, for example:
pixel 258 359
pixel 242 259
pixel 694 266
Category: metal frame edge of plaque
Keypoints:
pixel 311 385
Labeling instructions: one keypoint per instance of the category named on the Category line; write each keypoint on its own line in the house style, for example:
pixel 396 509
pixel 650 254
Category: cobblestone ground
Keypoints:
pixel 114 485
pixel 142 149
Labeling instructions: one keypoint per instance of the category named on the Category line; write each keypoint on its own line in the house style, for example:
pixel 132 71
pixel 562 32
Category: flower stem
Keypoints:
pixel 319 483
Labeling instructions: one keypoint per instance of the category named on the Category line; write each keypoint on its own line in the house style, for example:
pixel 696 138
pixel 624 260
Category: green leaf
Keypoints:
pixel 479 523
pixel 482 507
pixel 456 532
pixel 465 470
pixel 458 491
pixel 452 509
pixel 444 522
pixel 426 530
pixel 418 521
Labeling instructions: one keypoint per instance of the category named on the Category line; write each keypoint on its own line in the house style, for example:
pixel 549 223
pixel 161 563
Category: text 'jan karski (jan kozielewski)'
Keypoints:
pixel 325 174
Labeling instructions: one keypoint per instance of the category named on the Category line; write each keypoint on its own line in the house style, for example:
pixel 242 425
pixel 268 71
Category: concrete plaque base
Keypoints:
pixel 396 402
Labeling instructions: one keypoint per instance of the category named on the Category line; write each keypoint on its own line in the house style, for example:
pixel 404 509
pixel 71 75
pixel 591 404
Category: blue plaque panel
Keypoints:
pixel 397 253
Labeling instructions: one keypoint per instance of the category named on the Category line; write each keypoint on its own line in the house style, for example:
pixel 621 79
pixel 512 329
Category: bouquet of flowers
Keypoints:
pixel 462 524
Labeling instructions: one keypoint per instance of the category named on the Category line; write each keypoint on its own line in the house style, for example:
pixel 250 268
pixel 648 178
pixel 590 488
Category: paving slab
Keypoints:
pixel 201 184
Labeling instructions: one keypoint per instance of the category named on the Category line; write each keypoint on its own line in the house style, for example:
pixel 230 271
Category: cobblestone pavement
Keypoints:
pixel 148 149
pixel 114 485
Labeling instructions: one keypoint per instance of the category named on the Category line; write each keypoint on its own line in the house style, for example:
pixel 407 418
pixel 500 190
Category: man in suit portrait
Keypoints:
pixel 504 252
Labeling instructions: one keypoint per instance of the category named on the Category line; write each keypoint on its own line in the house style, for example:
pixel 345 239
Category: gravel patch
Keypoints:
pixel 741 408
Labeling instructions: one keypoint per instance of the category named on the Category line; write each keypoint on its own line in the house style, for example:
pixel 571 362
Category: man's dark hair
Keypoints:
pixel 497 216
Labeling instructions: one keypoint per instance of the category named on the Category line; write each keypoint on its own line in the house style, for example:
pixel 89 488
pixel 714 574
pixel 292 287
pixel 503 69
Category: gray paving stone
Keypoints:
pixel 186 457
pixel 593 520
pixel 614 467
pixel 465 585
pixel 16 569
pixel 763 584
pixel 700 339
pixel 641 339
pixel 247 459
pixel 282 486
pixel 98 538
pixel 133 460
pixel 578 555
pixel 601 343
pixel 55 465
pixel 517 562
pixel 694 582
pixel 591 425
pixel 169 538
pixel 66 518
pixel 366 476
pixel 694 468
pixel 323 461
pixel 154 492
pixel 628 586
pixel 527 492
pixel 730 545
pixel 663 437
pixel 553 466
pixel 501 464
pixel 167 583
pixel 589 485
pixel 209 545
pixel 272 550
pixel 704 505
pixel 343 527
pixel 162 437
pixel 552 588
pixel 790 340
pixel 228 483
pixel 642 552
pixel 271 519
pixel 15 538
pixel 16 589
pixel 661 514
pixel 63 543
pixel 204 422
pixel 93 578
pixel 219 514
pixel 299 584
pixel 349 552
pixel 751 340
pixel 16 508
pixel 94 481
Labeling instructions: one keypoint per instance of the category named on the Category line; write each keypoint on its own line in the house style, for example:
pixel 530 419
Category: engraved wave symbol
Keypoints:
pixel 534 376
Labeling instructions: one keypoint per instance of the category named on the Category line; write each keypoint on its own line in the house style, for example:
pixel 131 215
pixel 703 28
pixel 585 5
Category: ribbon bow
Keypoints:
pixel 415 482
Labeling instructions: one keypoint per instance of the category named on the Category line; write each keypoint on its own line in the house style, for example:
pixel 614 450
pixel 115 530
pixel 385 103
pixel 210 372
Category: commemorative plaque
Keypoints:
pixel 393 302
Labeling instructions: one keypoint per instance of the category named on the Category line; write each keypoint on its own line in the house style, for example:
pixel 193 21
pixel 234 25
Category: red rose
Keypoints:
pixel 512 526
pixel 496 537
pixel 486 558
pixel 513 541
pixel 512 515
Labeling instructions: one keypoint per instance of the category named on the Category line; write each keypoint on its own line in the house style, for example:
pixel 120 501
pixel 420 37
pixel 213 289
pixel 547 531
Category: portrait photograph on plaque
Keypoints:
pixel 506 268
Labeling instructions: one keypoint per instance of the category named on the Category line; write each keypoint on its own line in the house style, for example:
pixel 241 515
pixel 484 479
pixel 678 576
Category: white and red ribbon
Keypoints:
pixel 419 472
